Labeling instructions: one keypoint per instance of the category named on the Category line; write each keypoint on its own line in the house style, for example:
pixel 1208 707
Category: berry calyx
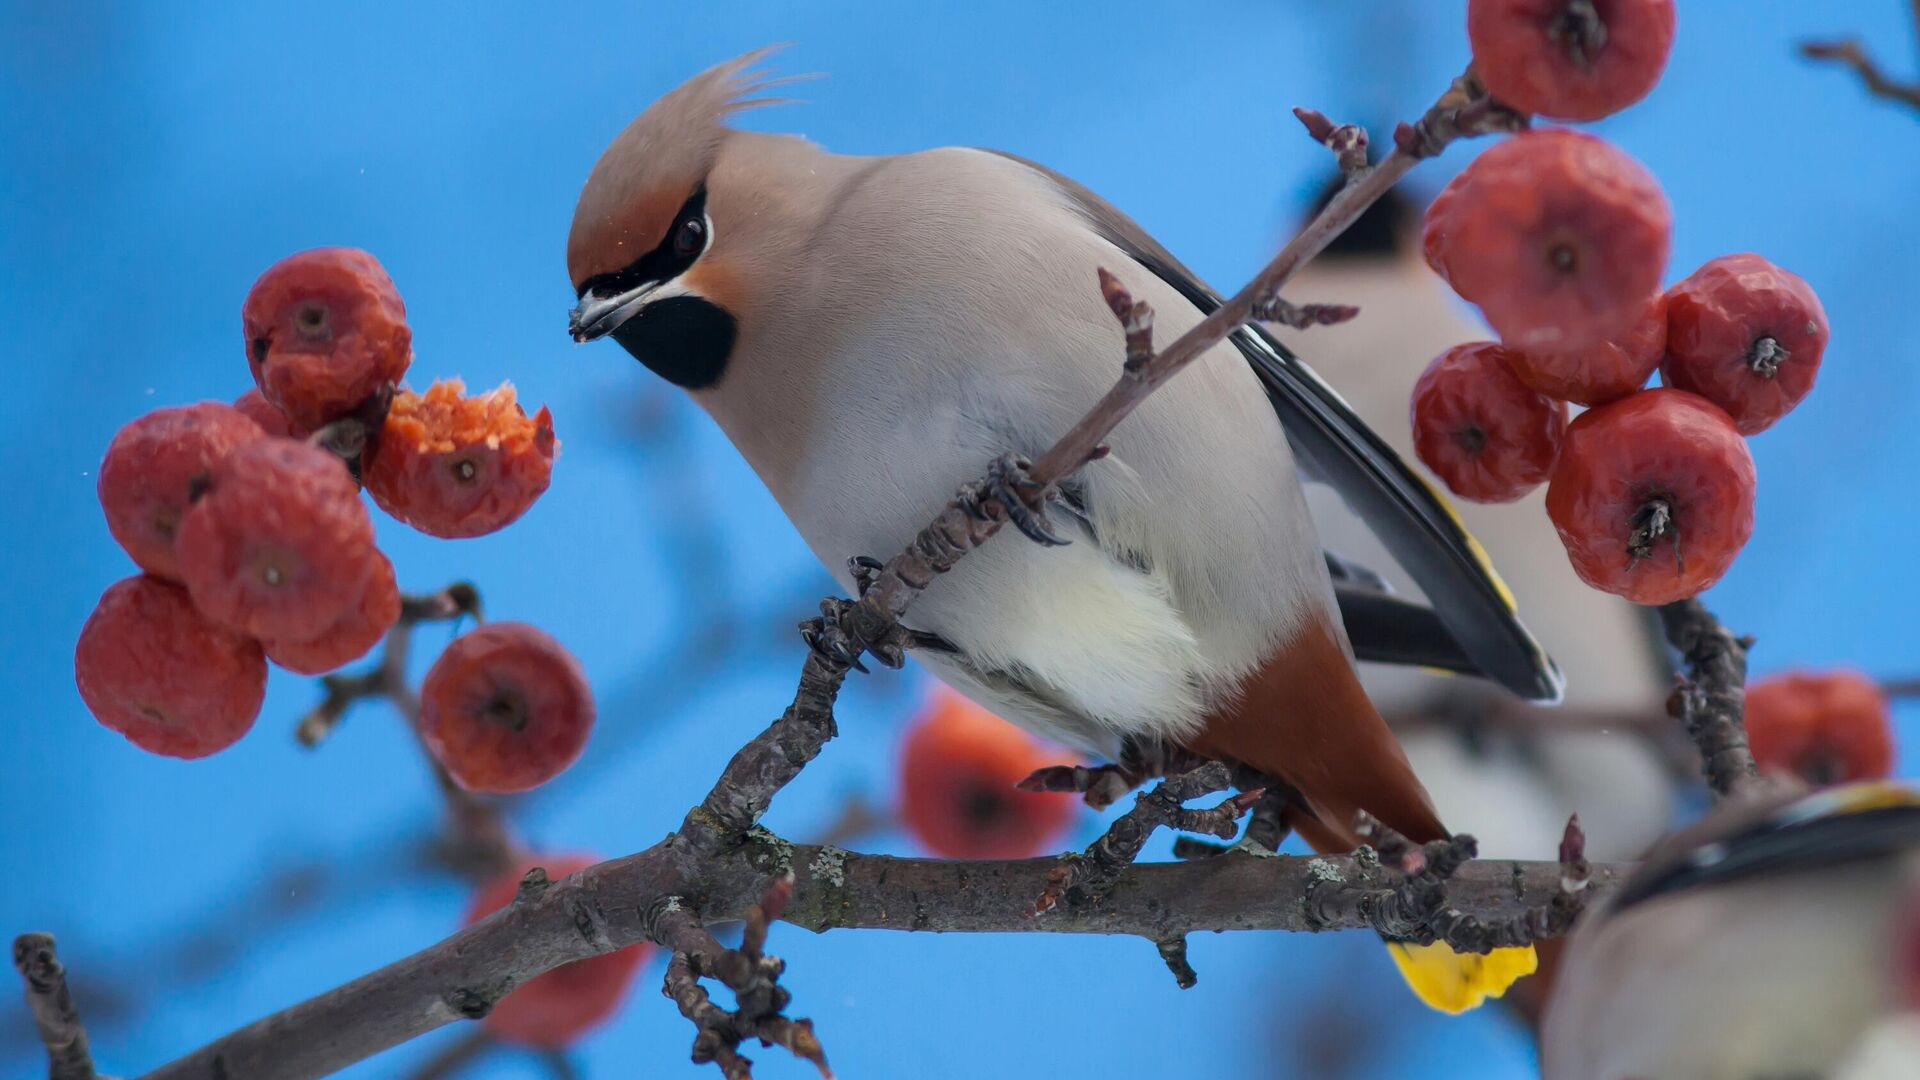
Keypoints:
pixel 455 466
pixel 551 1011
pixel 154 469
pixel 1828 727
pixel 505 708
pixel 255 406
pixel 1570 59
pixel 1747 336
pixel 1557 236
pixel 1599 373
pixel 154 669
pixel 353 636
pixel 325 330
pixel 280 546
pixel 1482 431
pixel 1653 495
pixel 958 768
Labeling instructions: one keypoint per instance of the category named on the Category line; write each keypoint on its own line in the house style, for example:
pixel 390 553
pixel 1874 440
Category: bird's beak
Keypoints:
pixel 595 317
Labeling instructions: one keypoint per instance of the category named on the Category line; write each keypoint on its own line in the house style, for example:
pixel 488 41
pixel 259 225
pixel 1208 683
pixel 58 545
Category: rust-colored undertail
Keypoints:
pixel 1304 718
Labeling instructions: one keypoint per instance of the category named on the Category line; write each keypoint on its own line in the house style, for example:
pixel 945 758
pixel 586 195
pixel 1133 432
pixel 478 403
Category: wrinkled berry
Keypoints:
pixel 1830 727
pixel 958 768
pixel 505 708
pixel 550 1011
pixel 154 669
pixel 1599 373
pixel 456 466
pixel 1653 495
pixel 1747 336
pixel 349 639
pixel 258 409
pixel 1569 59
pixel 1558 237
pixel 1480 429
pixel 325 329
pixel 280 547
pixel 155 467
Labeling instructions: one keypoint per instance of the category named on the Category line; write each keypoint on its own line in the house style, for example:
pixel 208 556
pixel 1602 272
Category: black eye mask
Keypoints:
pixel 663 263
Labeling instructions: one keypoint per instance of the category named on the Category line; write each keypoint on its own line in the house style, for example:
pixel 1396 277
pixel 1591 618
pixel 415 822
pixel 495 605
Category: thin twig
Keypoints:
pixel 1710 698
pixel 1849 53
pixel 68 1057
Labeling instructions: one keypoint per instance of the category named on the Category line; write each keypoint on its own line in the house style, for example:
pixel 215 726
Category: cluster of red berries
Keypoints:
pixel 1825 727
pixel 255 545
pixel 958 769
pixel 1561 239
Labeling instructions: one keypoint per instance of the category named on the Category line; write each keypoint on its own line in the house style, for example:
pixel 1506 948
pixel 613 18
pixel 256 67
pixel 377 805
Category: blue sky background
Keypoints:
pixel 153 162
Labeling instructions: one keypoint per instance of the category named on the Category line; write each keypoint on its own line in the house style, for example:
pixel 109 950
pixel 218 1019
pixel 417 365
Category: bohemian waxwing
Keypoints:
pixel 1779 937
pixel 871 332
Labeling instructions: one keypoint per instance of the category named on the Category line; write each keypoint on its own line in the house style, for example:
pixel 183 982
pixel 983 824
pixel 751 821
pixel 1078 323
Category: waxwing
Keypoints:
pixel 872 332
pixel 1778 937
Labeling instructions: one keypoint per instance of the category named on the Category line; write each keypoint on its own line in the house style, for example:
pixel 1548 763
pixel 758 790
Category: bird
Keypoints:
pixel 1777 936
pixel 871 332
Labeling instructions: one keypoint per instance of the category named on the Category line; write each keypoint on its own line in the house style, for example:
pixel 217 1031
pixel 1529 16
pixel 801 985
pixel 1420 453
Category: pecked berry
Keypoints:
pixel 154 669
pixel 1556 235
pixel 265 413
pixel 155 467
pixel 1599 373
pixel 1747 336
pixel 505 708
pixel 958 768
pixel 325 330
pixel 1570 59
pixel 552 1010
pixel 1830 727
pixel 1653 495
pixel 356 632
pixel 1480 429
pixel 280 547
pixel 455 466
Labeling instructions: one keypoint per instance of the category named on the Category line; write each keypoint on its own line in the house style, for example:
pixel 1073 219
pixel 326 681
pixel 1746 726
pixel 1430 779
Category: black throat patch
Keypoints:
pixel 685 340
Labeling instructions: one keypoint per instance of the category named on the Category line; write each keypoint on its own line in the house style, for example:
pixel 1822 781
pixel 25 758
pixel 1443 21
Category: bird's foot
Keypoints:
pixel 1010 493
pixel 847 629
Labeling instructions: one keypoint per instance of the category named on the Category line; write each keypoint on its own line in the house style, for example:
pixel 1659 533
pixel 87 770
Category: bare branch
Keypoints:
pixel 1711 698
pixel 1849 53
pixel 68 1057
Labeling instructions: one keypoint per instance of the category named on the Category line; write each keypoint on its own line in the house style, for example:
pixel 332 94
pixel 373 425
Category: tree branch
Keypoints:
pixel 1851 54
pixel 1711 697
pixel 68 1057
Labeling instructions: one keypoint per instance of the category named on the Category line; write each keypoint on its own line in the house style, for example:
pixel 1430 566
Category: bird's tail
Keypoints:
pixel 1305 719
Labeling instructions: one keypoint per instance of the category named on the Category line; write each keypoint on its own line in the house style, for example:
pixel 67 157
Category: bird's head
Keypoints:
pixel 648 253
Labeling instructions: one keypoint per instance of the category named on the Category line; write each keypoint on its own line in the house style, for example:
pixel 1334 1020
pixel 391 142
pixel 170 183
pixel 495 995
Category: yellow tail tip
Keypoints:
pixel 1452 982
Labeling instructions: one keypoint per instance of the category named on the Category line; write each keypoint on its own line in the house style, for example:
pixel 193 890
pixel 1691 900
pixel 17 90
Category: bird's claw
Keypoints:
pixel 1021 499
pixel 865 570
pixel 837 638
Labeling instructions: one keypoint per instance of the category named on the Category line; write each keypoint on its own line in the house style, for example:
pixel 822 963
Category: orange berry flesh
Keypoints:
pixel 453 465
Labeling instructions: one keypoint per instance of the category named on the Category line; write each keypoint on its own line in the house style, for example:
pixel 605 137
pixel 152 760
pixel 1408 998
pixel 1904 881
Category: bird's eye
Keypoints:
pixel 689 237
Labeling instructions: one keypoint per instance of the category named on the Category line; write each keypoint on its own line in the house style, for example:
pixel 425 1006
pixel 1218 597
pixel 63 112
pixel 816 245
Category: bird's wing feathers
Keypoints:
pixel 1473 614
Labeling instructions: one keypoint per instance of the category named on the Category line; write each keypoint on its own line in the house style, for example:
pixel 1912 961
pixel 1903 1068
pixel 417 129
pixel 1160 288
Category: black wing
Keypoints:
pixel 1473 613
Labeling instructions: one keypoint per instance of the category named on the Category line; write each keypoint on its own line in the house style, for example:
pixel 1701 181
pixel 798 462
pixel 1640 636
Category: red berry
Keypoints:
pixel 1599 373
pixel 154 669
pixel 550 1011
pixel 1747 336
pixel 155 467
pixel 1556 235
pixel 958 769
pixel 1653 495
pixel 1830 727
pixel 349 639
pixel 1480 429
pixel 325 329
pixel 505 708
pixel 456 466
pixel 1569 59
pixel 280 547
pixel 265 413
